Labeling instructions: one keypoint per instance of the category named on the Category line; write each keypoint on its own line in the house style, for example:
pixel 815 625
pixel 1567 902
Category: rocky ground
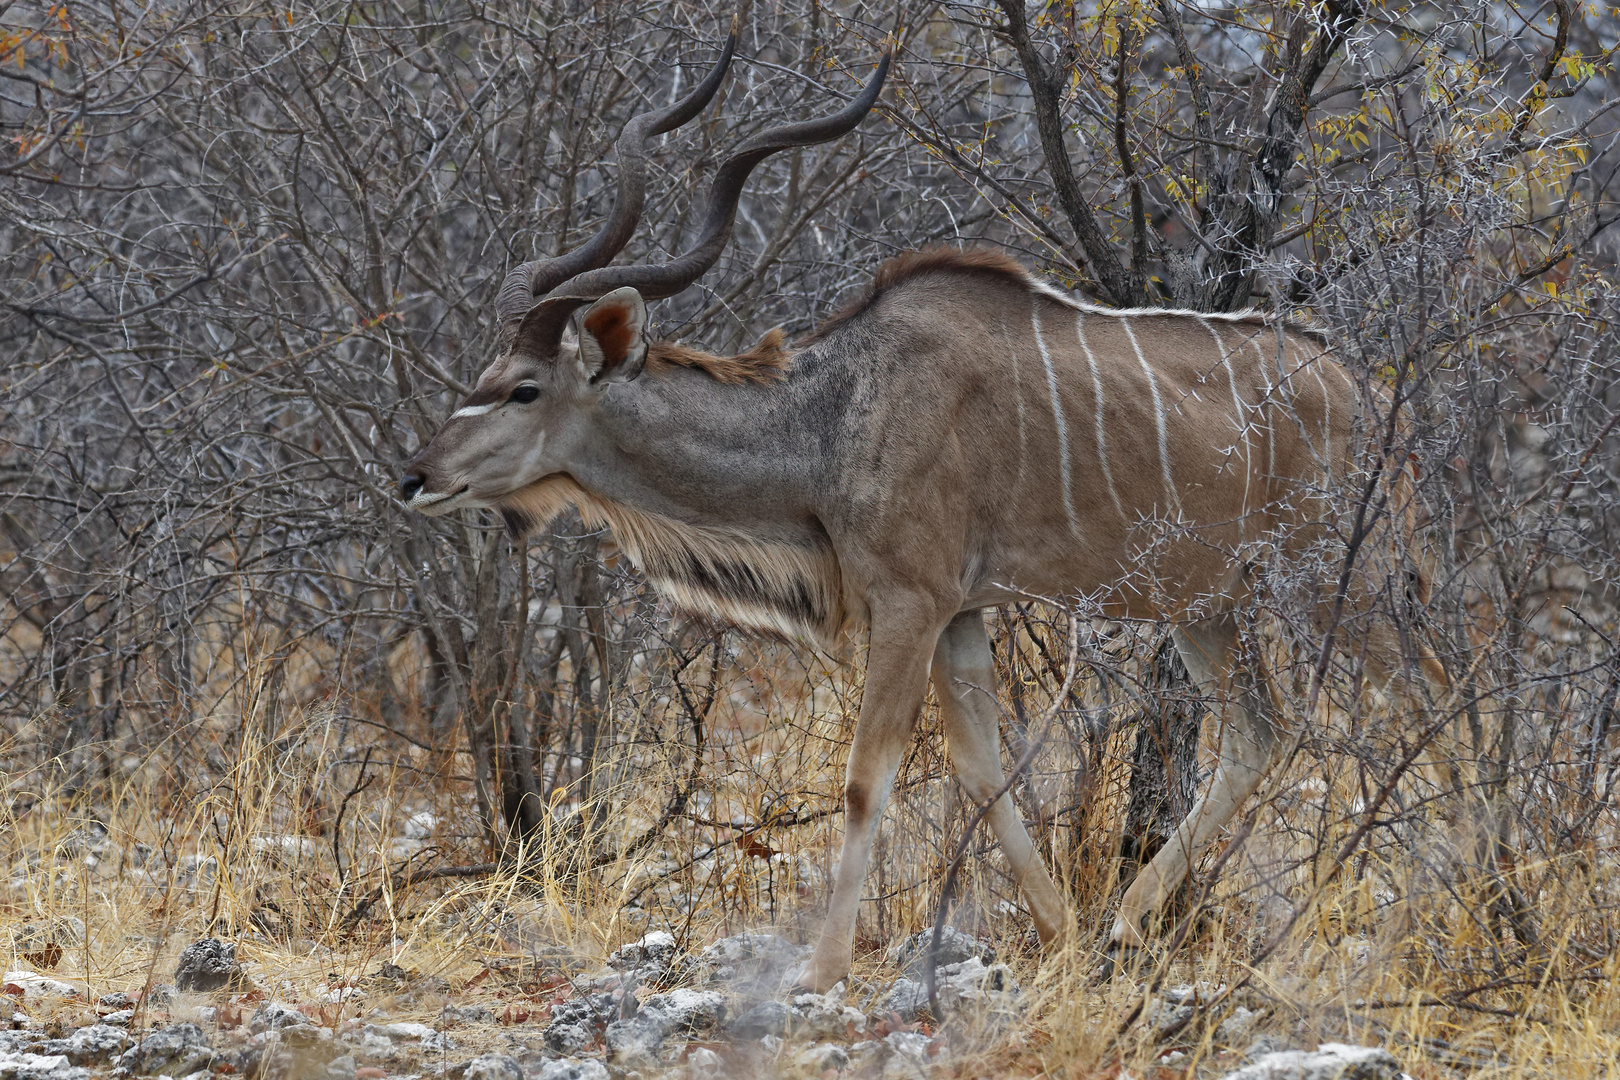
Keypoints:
pixel 729 1010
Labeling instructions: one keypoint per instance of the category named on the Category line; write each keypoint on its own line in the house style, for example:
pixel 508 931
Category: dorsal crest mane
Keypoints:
pixel 995 264
pixel 766 362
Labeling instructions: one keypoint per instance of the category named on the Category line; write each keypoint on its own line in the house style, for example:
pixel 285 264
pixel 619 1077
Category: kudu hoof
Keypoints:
pixel 1117 959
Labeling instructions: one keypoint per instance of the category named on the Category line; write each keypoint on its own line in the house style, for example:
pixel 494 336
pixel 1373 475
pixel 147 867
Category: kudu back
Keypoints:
pixel 960 437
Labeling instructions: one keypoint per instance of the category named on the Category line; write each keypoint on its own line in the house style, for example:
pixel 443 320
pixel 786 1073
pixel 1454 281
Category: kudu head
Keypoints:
pixel 533 405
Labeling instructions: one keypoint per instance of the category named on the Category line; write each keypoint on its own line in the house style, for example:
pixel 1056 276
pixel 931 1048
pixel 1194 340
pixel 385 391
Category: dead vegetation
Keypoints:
pixel 248 257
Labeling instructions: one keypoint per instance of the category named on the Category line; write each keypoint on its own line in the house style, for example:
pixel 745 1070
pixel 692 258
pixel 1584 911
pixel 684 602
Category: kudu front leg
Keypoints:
pixel 896 679
pixel 1211 652
pixel 965 680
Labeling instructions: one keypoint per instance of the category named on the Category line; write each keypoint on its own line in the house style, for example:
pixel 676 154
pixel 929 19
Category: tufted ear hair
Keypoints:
pixel 612 338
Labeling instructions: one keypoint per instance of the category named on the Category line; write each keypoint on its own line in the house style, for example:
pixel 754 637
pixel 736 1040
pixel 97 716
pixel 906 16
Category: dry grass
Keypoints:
pixel 281 824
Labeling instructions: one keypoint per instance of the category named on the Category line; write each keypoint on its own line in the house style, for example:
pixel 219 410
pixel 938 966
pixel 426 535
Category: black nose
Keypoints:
pixel 409 485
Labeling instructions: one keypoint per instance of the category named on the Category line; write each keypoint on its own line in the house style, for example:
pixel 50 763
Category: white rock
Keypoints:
pixel 1330 1061
pixel 972 983
pixel 581 1069
pixel 652 948
pixel 284 848
pixel 493 1067
pixel 685 1010
pixel 376 1047
pixel 911 955
pixel 1236 1028
pixel 819 1057
pixel 704 1064
pixel 828 1015
pixel 420 825
pixel 763 958
pixel 39 1067
pixel 908 1057
pixel 406 1030
pixel 34 985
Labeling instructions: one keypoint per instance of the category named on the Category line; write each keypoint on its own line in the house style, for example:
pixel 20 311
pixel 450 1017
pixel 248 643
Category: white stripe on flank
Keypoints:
pixel 471 410
pixel 1327 405
pixel 1271 410
pixel 1158 418
pixel 1102 444
pixel 1057 415
pixel 1239 419
pixel 1018 393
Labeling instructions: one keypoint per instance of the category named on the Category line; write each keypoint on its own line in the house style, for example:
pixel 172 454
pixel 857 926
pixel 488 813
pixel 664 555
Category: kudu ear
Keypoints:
pixel 612 338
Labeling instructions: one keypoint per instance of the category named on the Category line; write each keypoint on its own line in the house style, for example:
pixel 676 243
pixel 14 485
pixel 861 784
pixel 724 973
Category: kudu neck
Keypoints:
pixel 684 446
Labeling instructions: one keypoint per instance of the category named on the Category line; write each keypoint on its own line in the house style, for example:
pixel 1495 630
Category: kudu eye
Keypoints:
pixel 525 394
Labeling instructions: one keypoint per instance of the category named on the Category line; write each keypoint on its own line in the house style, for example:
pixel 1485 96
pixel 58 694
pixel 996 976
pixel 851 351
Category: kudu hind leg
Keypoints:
pixel 1212 654
pixel 965 680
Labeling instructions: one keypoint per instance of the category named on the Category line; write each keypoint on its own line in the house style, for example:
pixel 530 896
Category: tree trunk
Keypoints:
pixel 1164 764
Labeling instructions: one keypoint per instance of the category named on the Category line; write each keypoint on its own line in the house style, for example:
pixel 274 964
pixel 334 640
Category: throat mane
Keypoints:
pixel 789 591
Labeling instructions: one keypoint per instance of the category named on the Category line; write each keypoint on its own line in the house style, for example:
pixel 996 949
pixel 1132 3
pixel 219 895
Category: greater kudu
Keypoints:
pixel 961 436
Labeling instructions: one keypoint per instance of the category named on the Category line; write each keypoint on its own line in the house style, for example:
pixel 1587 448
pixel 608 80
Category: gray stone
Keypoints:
pixel 303 1036
pixel 906 999
pixel 207 965
pixel 954 947
pixel 634 1042
pixel 704 1064
pixel 1236 1027
pixel 175 1051
pixel 972 985
pixel 275 1015
pixel 908 1057
pixel 121 1018
pixel 637 1039
pixel 828 1016
pixel 685 1010
pixel 467 1014
pixel 819 1057
pixel 375 1046
pixel 657 947
pixel 341 1068
pixel 1330 1061
pixel 97 1044
pixel 654 959
pixel 492 1067
pixel 575 1024
pixel 757 964
pixel 1265 1044
pixel 572 1069
pixel 768 1018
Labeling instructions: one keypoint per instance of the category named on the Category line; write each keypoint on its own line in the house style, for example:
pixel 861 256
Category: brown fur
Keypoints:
pixel 766 362
pixel 935 260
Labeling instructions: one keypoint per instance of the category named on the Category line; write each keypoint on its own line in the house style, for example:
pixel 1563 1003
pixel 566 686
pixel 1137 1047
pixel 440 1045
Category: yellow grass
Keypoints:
pixel 231 828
